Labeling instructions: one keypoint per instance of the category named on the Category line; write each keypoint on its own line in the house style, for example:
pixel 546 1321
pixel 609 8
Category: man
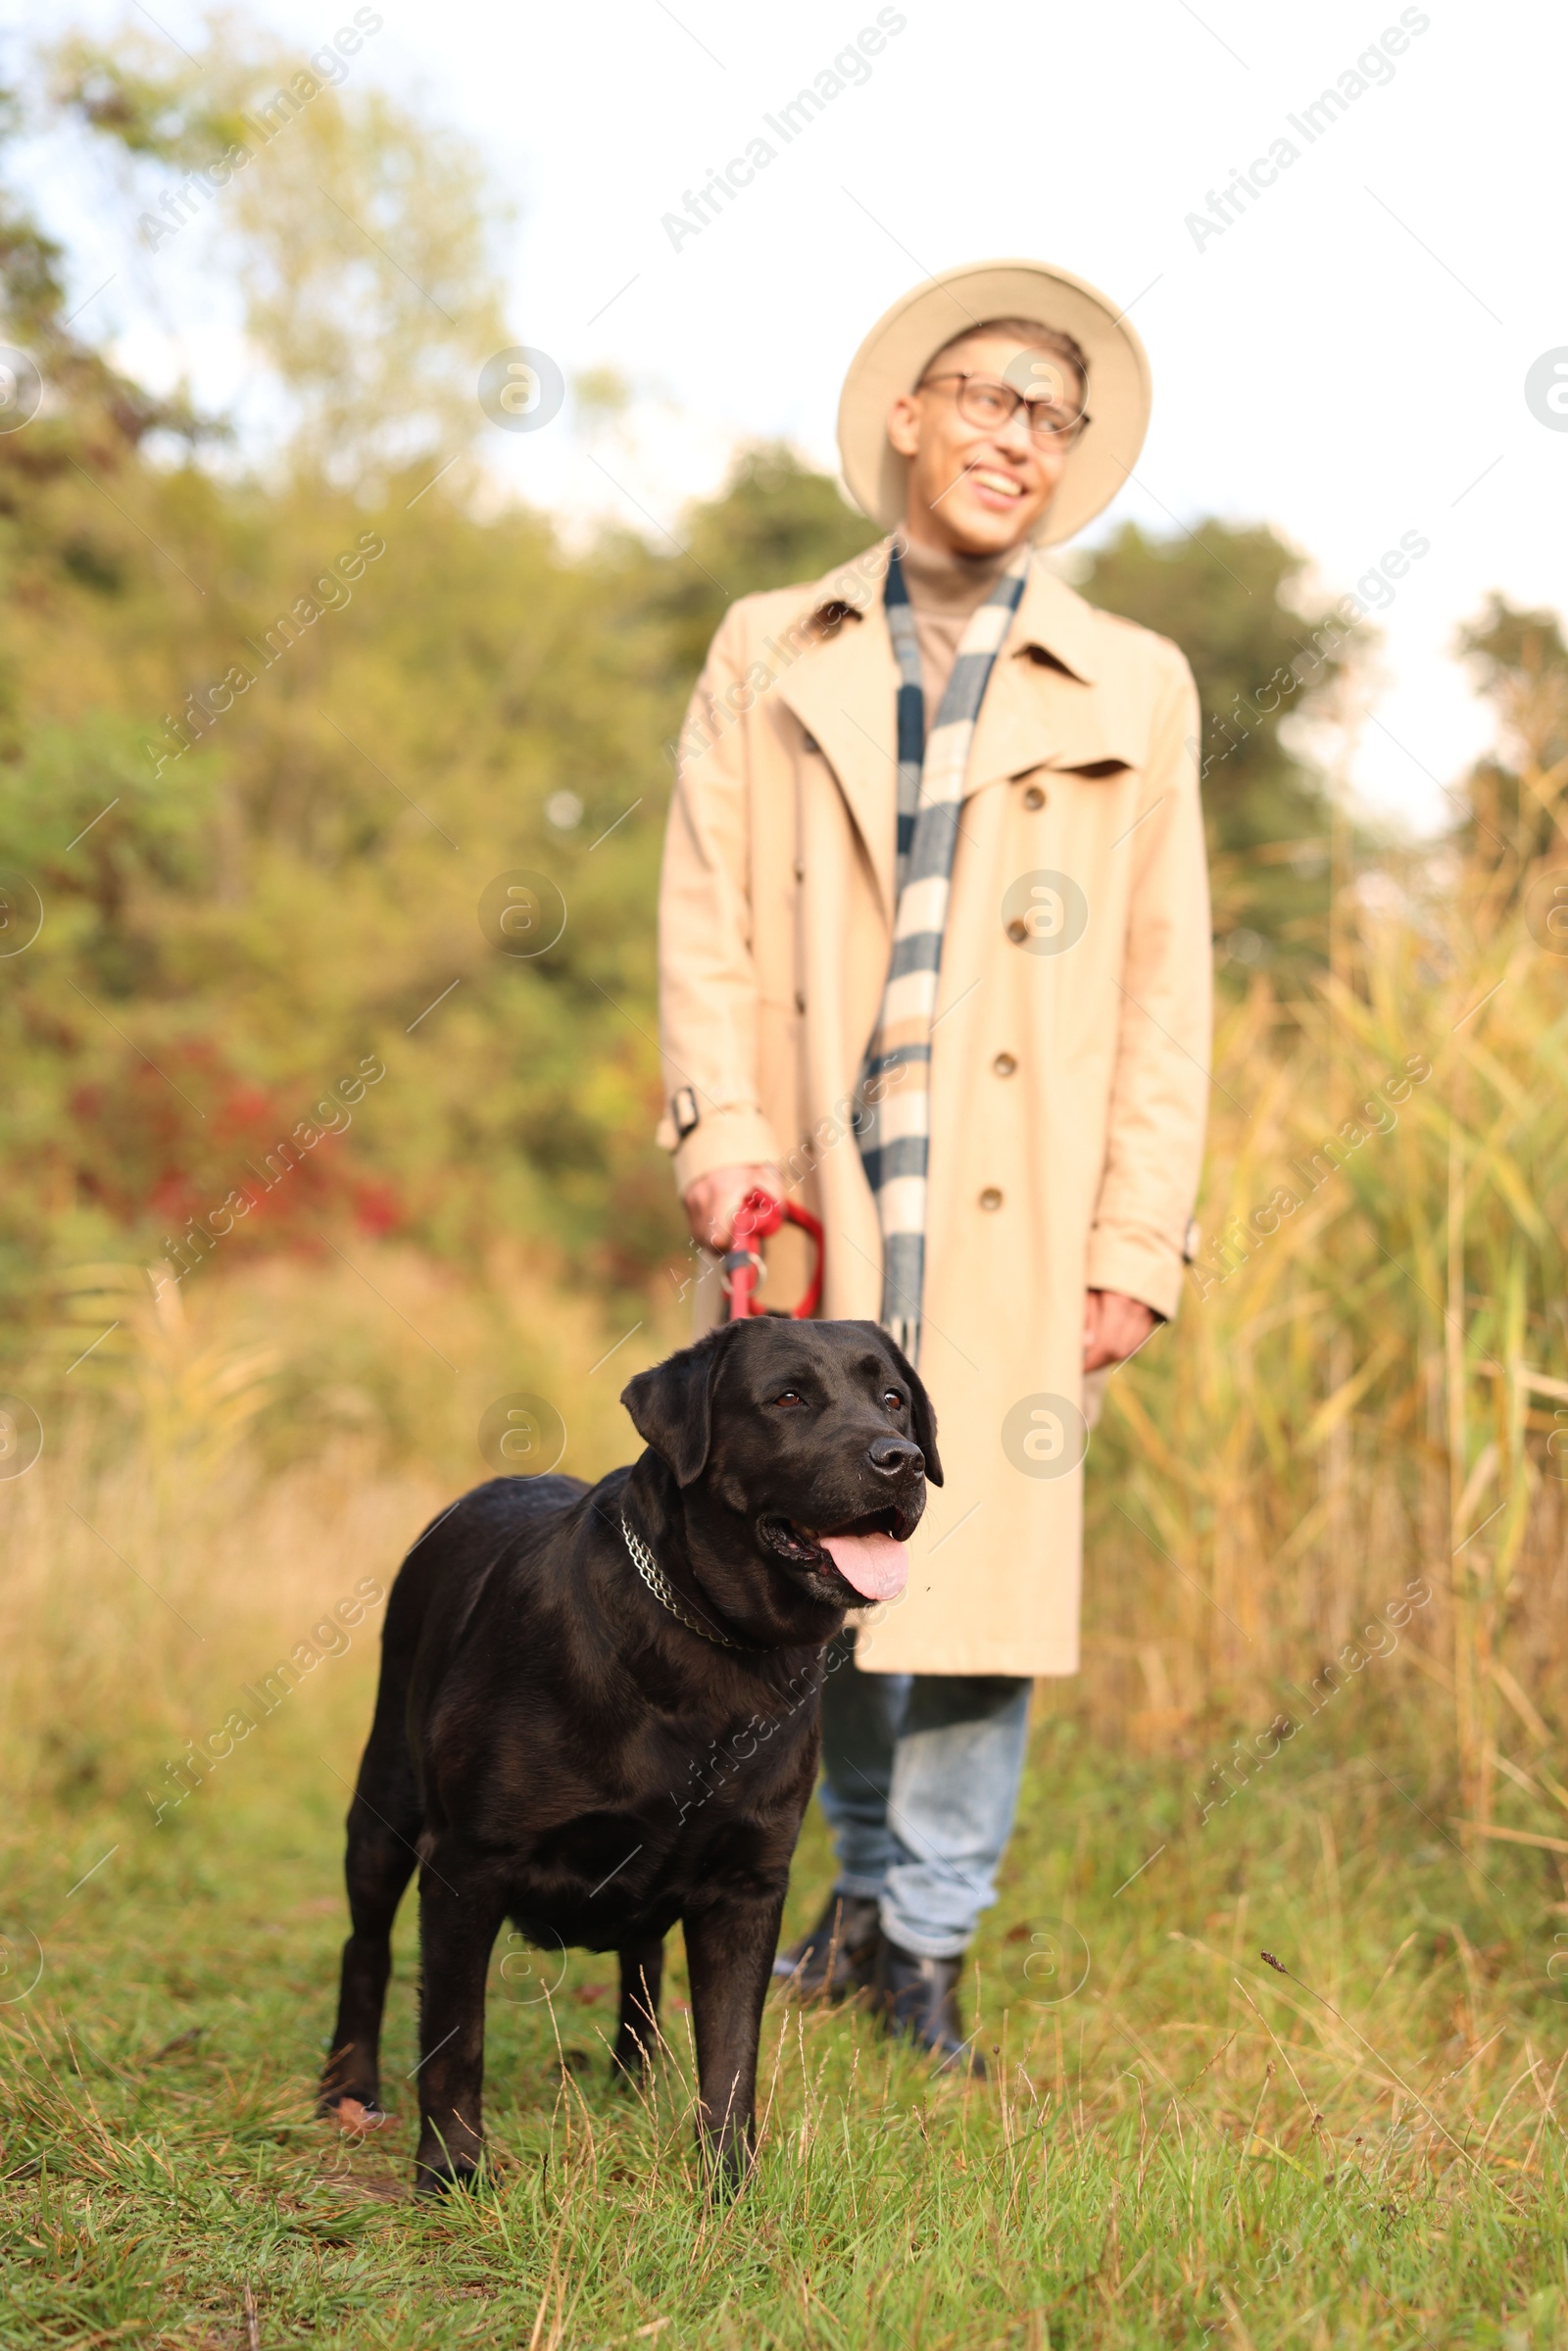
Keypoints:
pixel 935 961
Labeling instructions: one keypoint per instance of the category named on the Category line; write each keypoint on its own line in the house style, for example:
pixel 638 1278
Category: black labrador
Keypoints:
pixel 598 1711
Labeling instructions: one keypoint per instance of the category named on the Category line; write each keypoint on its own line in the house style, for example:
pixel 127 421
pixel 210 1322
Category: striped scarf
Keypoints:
pixel 895 1137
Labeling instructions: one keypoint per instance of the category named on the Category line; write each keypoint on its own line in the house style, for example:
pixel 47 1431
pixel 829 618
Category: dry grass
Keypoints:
pixel 1179 2143
pixel 1376 1388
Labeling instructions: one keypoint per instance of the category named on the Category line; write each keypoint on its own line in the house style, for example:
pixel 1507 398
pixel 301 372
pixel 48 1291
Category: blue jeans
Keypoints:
pixel 919 1783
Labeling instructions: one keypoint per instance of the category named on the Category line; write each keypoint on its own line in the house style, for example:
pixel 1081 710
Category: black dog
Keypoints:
pixel 595 1748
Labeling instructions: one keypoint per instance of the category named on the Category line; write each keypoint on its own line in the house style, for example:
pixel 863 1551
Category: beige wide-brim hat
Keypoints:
pixel 895 353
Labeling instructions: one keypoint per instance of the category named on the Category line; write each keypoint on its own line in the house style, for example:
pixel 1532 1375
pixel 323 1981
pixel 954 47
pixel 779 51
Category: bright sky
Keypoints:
pixel 1347 359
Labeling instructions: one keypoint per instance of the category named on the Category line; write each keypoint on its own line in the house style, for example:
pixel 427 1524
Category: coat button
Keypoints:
pixel 1018 930
pixel 800 1001
pixel 799 871
pixel 1005 1065
pixel 991 1197
pixel 1034 797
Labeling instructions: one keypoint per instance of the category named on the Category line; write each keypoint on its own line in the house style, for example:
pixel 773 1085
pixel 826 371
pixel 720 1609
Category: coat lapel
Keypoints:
pixel 1041 707
pixel 843 690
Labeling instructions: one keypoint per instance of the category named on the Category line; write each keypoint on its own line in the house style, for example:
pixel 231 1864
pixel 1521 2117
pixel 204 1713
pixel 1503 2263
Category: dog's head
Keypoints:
pixel 818 1437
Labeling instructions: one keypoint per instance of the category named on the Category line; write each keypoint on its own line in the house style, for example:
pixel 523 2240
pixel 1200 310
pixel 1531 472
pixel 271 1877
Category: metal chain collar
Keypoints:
pixel 665 1592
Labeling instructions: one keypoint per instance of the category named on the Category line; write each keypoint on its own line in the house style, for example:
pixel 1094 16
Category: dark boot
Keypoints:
pixel 837 1956
pixel 918 2001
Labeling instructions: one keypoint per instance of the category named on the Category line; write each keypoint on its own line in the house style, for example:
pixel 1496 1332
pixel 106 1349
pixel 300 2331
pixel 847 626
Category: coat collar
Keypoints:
pixel 1041 708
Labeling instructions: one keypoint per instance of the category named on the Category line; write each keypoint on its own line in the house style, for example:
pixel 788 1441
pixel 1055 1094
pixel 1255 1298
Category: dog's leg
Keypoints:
pixel 641 1976
pixel 729 1955
pixel 383 1825
pixel 456 1933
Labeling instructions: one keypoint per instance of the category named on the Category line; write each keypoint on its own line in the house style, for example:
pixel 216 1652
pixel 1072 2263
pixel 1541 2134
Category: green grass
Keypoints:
pixel 1183 2147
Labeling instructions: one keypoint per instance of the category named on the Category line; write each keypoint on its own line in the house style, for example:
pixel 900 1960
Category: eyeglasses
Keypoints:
pixel 986 400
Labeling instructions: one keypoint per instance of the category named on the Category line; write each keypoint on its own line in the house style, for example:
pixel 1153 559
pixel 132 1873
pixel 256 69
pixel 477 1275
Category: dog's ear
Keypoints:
pixel 924 1419
pixel 672 1406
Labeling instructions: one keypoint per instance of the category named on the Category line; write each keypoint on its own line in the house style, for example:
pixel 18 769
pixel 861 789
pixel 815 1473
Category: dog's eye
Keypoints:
pixel 892 1400
pixel 790 1395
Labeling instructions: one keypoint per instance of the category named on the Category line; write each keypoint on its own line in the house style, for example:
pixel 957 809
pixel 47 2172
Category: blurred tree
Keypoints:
pixel 1228 597
pixel 87 838
pixel 359 234
pixel 774 522
pixel 1519 796
pixel 93 410
pixel 602 394
pixel 227 932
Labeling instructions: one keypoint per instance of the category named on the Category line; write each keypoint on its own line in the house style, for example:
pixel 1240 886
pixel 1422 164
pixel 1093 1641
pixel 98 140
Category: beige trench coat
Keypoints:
pixel 1069 1056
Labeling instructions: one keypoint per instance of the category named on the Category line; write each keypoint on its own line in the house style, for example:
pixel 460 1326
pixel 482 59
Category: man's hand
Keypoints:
pixel 711 1202
pixel 1115 1327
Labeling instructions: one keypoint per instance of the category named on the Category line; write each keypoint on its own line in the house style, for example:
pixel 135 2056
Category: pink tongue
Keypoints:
pixel 875 1564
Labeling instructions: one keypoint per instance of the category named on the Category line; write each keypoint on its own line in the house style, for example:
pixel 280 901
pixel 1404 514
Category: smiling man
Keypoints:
pixel 935 959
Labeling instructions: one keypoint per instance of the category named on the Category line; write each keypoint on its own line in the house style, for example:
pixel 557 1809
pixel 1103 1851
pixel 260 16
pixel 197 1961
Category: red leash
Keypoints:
pixel 759 1217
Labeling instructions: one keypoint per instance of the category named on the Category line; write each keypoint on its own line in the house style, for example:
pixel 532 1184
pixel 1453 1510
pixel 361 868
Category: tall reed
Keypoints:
pixel 1367 1384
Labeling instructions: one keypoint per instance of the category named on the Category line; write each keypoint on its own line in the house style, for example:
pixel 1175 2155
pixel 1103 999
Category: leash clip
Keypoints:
pixel 759 1215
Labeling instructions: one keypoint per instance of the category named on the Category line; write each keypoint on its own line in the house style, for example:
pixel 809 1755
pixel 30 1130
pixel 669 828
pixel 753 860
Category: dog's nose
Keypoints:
pixel 894 1457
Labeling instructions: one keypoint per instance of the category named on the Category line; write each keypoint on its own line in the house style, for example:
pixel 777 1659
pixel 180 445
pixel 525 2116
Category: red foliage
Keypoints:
pixel 377 1208
pixel 165 1144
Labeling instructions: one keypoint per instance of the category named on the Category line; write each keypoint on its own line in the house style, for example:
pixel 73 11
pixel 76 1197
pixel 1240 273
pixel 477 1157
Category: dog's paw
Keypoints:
pixel 727 2170
pixel 356 2116
pixel 441 2175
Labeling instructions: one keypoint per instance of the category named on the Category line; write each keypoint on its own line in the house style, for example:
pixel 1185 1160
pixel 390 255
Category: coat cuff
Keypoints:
pixel 737 1136
pixel 1139 1266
